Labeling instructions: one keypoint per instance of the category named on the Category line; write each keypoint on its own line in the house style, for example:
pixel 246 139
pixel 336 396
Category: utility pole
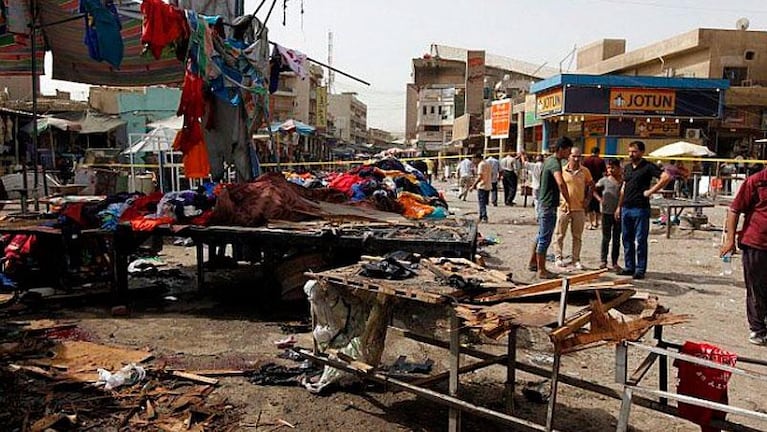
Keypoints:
pixel 331 73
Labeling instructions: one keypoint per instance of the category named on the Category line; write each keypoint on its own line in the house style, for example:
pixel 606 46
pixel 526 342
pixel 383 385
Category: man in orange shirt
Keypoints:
pixel 572 213
pixel 483 184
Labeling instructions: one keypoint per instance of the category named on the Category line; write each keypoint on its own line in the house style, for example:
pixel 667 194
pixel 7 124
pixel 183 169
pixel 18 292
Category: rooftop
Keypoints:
pixel 459 54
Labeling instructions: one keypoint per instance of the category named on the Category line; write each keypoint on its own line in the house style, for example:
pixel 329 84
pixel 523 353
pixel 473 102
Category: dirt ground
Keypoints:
pixel 233 325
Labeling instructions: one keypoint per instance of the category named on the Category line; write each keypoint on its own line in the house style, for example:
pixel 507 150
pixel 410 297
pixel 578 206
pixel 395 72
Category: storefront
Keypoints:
pixel 609 111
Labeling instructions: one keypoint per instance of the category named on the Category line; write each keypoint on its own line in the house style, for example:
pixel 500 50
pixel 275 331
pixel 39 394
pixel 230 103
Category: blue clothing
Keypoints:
pixel 102 31
pixel 547 220
pixel 635 223
pixel 484 197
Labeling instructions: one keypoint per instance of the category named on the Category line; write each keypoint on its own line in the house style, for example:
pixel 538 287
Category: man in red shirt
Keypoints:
pixel 752 201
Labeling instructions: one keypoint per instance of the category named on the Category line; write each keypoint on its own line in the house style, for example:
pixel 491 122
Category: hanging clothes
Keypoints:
pixel 293 59
pixel 102 31
pixel 163 24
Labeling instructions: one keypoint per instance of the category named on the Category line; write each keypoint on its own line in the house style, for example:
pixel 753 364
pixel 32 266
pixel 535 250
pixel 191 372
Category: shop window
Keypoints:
pixel 736 75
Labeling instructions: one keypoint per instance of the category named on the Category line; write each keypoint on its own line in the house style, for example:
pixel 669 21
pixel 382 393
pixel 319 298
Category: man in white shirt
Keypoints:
pixel 465 177
pixel 509 170
pixel 534 168
pixel 483 184
pixel 496 170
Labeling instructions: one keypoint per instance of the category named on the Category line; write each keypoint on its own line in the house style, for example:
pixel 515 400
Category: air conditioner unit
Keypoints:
pixel 692 134
pixel 747 83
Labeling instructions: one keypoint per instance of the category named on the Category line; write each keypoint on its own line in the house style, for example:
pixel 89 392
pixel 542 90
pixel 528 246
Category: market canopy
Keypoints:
pixel 682 148
pixel 87 123
pixel 71 61
pixel 292 126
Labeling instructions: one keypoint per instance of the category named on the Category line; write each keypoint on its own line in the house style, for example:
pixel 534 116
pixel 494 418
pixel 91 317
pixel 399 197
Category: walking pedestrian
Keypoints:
pixel 597 168
pixel 465 176
pixel 634 208
pixel 572 214
pixel 751 200
pixel 509 169
pixel 483 184
pixel 534 169
pixel 552 185
pixel 496 174
pixel 607 194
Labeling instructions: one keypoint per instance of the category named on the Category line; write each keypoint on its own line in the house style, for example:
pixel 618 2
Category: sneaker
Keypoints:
pixel 638 276
pixel 626 272
pixel 757 338
pixel 559 262
pixel 578 265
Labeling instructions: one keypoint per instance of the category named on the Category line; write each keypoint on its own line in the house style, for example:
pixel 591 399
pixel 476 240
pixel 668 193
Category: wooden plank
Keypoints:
pixel 544 286
pixel 194 377
pixel 574 324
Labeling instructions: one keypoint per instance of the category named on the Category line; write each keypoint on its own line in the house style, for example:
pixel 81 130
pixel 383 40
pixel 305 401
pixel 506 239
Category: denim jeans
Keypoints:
pixel 483 196
pixel 547 220
pixel 635 223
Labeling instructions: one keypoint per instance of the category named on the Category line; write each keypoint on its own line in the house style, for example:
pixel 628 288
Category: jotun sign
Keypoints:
pixel 642 101
pixel 549 103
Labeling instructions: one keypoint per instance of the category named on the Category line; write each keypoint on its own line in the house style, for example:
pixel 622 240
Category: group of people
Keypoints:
pixel 574 192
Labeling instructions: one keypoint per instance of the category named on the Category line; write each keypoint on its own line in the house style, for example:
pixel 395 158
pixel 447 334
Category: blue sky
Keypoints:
pixel 377 40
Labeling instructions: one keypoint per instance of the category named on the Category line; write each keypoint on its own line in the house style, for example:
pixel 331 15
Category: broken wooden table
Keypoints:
pixel 490 303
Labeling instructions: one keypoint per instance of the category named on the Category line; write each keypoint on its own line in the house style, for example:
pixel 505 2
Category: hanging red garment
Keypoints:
pixel 196 161
pixel 162 25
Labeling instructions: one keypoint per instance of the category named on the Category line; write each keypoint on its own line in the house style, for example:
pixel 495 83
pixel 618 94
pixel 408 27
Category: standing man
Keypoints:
pixel 509 165
pixel 465 176
pixel 552 185
pixel 607 193
pixel 596 166
pixel 634 208
pixel 572 212
pixel 483 184
pixel 751 200
pixel 496 167
pixel 534 169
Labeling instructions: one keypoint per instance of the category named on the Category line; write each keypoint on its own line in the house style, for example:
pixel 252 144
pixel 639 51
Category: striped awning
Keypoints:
pixel 70 55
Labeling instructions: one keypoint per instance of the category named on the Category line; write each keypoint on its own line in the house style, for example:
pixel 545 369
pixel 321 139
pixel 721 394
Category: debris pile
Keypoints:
pixel 49 383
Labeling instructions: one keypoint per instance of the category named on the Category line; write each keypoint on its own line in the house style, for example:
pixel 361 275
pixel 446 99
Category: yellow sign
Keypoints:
pixel 642 101
pixel 321 119
pixel 500 113
pixel 549 103
pixel 657 128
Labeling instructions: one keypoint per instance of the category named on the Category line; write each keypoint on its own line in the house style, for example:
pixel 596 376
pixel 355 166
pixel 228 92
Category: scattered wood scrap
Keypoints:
pixel 605 327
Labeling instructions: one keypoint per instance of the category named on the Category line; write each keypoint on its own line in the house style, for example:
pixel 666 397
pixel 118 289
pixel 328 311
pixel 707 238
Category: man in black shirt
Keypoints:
pixel 634 208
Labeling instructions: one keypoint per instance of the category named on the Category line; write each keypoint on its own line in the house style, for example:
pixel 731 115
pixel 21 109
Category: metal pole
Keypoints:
pixel 557 357
pixel 454 419
pixel 33 37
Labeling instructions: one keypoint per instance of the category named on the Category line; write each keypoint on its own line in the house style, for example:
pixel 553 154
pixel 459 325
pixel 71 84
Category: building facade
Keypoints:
pixel 739 56
pixel 349 117
pixel 379 138
pixel 450 82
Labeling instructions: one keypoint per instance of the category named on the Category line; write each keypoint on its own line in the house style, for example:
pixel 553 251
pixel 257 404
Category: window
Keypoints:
pixel 424 110
pixel 428 128
pixel 749 55
pixel 736 75
pixel 440 110
pixel 432 109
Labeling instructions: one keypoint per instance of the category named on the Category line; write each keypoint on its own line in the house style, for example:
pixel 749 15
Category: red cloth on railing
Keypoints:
pixel 703 382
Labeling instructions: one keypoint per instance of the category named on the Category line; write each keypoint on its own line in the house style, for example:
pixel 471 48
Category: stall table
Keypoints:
pixel 675 207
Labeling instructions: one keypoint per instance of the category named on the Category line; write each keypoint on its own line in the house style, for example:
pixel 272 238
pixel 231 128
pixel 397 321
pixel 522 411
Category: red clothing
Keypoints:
pixel 752 201
pixel 162 25
pixel 596 166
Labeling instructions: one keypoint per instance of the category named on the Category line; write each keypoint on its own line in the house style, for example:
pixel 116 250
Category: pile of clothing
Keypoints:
pixel 387 185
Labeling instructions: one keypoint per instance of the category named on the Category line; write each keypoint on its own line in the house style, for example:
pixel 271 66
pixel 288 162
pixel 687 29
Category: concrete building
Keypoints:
pixel 137 106
pixel 440 92
pixel 349 116
pixel 295 97
pixel 379 138
pixel 739 56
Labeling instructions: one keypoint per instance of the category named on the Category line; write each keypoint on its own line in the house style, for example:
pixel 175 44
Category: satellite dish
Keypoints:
pixel 742 24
